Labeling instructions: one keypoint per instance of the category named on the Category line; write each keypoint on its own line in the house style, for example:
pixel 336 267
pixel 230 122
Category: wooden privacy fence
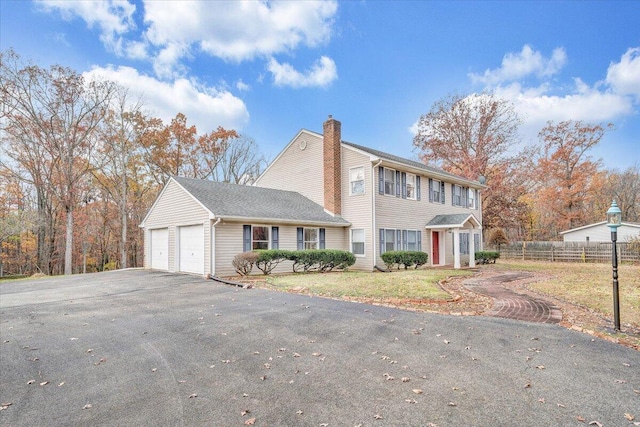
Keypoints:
pixel 568 252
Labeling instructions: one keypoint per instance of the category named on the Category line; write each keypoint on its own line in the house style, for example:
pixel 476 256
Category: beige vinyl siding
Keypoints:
pixel 174 208
pixel 229 244
pixel 298 170
pixel 398 213
pixel 357 209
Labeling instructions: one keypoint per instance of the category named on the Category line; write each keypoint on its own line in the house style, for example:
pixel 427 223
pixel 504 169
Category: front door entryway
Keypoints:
pixel 435 247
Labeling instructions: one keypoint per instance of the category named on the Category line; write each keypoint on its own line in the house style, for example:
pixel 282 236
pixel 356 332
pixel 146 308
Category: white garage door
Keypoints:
pixel 191 249
pixel 160 249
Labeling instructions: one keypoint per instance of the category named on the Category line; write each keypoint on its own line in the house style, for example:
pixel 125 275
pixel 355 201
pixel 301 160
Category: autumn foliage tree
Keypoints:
pixel 565 173
pixel 471 137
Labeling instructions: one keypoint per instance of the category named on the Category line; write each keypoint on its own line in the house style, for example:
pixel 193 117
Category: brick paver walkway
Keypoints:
pixel 513 305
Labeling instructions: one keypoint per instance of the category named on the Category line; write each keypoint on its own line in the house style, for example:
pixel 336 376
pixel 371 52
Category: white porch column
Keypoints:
pixel 456 248
pixel 472 249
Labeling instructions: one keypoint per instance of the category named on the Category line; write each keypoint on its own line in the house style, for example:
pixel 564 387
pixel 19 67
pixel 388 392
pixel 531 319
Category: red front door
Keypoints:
pixel 435 244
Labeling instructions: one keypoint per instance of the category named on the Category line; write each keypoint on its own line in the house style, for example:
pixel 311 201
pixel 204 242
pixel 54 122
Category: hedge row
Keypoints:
pixel 404 258
pixel 486 257
pixel 308 260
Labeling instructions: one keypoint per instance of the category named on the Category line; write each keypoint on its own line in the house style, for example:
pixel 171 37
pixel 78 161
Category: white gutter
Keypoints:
pixel 212 246
pixel 373 215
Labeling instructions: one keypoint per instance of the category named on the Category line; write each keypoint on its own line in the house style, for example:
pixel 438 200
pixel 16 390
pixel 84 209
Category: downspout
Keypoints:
pixel 373 215
pixel 212 246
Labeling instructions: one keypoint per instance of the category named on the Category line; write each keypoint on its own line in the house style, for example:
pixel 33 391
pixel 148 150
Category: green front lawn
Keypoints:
pixel 403 284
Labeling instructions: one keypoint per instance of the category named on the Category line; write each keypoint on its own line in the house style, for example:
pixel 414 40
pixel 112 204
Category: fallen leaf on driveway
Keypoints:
pixel 31 382
pixel 595 423
pixel 5 405
pixel 452 404
pixel 377 417
pixel 541 367
pixel 417 391
pixel 87 406
pixel 250 422
pixel 579 418
pixel 191 396
pixel 44 383
pixel 621 381
pixel 629 417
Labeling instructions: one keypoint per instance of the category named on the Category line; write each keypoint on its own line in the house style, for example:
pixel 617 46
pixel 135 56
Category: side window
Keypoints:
pixel 356 181
pixel 357 241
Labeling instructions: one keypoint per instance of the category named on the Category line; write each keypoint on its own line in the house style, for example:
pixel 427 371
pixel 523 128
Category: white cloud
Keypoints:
pixel 206 107
pixel 322 74
pixel 242 86
pixel 523 64
pixel 236 31
pixel 113 18
pixel 608 100
pixel 624 76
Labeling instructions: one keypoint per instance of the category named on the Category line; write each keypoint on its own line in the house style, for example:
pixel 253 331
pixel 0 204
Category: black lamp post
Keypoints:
pixel 614 220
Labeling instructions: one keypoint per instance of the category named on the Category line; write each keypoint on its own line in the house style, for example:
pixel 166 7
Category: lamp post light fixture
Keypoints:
pixel 614 220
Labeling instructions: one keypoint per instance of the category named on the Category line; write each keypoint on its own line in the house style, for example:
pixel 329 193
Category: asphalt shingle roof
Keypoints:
pixel 452 219
pixel 244 201
pixel 408 162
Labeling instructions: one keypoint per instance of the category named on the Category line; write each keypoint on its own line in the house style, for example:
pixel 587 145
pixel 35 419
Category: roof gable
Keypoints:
pixel 453 221
pixel 598 224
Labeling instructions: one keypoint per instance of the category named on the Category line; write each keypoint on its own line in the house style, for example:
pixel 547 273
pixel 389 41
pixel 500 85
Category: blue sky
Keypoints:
pixel 270 69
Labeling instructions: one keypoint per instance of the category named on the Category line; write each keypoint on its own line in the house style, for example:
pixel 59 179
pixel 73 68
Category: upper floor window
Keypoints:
pixel 472 199
pixel 356 180
pixel 457 199
pixel 436 191
pixel 389 181
pixel 411 186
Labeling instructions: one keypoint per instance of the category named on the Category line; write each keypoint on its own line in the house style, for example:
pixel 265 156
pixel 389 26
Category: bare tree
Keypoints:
pixel 240 161
pixel 59 112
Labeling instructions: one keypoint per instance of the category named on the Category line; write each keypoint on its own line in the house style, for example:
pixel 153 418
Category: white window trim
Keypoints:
pixel 432 193
pixel 415 188
pixel 305 241
pixel 364 190
pixel 364 243
pixel 416 242
pixel 384 180
pixel 453 195
pixel 395 239
pixel 268 227
pixel 471 191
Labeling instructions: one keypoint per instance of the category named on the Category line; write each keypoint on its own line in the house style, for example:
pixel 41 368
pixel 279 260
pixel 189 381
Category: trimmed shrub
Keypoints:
pixel 321 260
pixel 269 259
pixel 486 257
pixel 243 263
pixel 404 258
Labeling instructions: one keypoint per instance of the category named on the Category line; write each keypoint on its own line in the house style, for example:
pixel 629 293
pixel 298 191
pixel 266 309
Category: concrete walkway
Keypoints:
pixel 513 305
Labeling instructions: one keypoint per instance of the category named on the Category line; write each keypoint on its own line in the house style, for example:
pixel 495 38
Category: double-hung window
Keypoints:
pixel 457 199
pixel 259 238
pixel 436 191
pixel 389 181
pixel 390 240
pixel 311 238
pixel 411 186
pixel 356 181
pixel 472 202
pixel 412 240
pixel 357 241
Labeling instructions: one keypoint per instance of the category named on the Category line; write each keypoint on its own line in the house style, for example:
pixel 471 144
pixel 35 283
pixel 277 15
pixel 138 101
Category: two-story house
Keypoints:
pixel 319 192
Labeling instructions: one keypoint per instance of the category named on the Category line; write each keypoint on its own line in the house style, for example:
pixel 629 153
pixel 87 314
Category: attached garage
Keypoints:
pixel 191 249
pixel 160 248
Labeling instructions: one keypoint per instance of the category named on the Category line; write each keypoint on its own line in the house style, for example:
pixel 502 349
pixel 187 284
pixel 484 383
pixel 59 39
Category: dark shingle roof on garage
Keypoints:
pixel 226 200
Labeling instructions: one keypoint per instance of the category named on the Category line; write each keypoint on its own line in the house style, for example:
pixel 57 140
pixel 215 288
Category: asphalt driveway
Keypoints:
pixel 148 348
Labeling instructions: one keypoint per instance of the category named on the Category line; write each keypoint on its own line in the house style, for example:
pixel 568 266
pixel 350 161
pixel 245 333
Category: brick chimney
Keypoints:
pixel 332 166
